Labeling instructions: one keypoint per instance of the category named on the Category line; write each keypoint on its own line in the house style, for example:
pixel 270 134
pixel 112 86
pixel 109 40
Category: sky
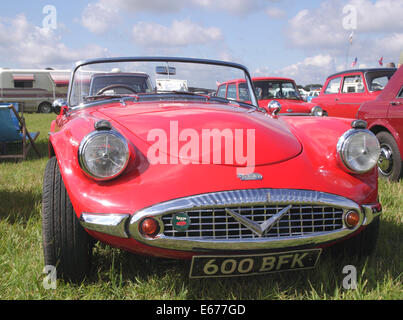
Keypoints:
pixel 303 40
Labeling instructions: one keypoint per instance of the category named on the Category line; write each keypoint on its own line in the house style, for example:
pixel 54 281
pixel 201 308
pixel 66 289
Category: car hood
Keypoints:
pixel 185 131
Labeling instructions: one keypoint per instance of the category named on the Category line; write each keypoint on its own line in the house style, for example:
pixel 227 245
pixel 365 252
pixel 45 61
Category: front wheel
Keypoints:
pixel 390 161
pixel 66 244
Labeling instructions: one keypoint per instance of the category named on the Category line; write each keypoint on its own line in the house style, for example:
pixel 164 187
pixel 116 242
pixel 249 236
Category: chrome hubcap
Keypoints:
pixel 385 162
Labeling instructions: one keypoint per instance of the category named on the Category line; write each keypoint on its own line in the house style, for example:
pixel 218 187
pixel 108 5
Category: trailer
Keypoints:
pixel 33 89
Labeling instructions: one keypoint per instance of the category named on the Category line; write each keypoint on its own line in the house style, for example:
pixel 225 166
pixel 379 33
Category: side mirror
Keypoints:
pixel 274 107
pixel 58 105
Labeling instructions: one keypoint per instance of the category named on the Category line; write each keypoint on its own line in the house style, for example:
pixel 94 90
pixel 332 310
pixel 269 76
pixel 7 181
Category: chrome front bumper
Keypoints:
pixel 218 204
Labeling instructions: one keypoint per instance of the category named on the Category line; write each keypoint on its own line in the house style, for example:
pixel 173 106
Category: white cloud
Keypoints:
pixel 312 69
pixel 379 31
pixel 27 45
pixel 275 13
pixel 323 27
pixel 98 17
pixel 178 34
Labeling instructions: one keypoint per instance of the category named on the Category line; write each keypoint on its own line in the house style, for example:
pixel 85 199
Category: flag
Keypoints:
pixel 354 62
pixel 350 38
pixel 380 61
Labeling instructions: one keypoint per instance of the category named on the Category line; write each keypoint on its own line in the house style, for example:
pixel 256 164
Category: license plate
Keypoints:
pixel 246 265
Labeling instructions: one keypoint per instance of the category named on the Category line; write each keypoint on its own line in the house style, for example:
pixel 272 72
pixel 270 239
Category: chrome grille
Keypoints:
pixel 216 224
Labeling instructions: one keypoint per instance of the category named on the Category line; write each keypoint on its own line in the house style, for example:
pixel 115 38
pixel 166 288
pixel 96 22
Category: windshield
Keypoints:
pixel 377 80
pixel 168 78
pixel 270 89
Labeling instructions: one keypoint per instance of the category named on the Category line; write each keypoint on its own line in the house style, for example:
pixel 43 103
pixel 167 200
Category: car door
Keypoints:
pixel 395 112
pixel 328 100
pixel 352 94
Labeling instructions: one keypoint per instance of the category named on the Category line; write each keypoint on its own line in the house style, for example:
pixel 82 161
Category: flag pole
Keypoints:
pixel 349 43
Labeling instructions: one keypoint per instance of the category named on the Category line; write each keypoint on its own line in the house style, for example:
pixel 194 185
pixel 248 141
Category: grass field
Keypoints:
pixel 120 275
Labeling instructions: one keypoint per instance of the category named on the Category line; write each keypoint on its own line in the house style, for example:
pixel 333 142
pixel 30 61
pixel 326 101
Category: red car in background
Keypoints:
pixel 384 116
pixel 272 93
pixel 344 92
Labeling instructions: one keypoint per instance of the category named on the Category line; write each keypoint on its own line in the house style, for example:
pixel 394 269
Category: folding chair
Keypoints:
pixel 13 130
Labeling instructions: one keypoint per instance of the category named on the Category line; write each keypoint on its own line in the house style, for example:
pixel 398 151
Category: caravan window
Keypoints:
pixel 23 84
pixel 23 80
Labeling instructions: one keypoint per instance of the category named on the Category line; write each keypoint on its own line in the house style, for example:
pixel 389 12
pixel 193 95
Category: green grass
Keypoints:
pixel 120 275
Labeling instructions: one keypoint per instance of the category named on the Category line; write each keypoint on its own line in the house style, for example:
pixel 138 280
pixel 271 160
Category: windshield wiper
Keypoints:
pixel 102 97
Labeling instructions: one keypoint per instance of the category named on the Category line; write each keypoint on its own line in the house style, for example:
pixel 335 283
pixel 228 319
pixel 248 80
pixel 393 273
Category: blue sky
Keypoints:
pixel 305 40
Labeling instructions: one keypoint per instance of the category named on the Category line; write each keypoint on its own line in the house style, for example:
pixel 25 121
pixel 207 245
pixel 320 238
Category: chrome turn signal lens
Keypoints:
pixel 149 227
pixel 351 219
pixel 358 150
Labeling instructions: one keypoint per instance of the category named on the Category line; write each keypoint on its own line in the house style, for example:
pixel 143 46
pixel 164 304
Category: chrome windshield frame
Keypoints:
pixel 79 64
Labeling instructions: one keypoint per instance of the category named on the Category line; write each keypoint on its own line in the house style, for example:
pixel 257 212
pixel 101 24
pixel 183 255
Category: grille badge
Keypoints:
pixel 180 221
pixel 250 176
pixel 258 228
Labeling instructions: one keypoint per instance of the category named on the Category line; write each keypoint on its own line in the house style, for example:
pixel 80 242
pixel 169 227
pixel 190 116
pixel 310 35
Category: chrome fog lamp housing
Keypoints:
pixel 103 155
pixel 274 107
pixel 317 111
pixel 358 150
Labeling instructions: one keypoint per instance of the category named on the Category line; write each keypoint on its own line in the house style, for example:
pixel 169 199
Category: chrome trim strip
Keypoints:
pixel 233 198
pixel 112 224
pixel 371 212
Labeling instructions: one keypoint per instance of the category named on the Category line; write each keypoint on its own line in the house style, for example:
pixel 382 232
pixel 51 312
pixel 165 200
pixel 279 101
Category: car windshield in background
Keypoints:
pixel 151 80
pixel 377 80
pixel 276 90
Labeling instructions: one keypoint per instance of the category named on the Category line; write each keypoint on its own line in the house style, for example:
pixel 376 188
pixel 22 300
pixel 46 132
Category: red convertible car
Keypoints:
pixel 168 170
pixel 272 93
pixel 344 92
pixel 385 118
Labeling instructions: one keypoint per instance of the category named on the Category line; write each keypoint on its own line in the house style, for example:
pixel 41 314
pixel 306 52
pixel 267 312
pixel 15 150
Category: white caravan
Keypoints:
pixel 34 89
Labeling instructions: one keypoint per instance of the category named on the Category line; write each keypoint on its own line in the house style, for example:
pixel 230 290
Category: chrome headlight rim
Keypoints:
pixel 84 143
pixel 317 111
pixel 342 145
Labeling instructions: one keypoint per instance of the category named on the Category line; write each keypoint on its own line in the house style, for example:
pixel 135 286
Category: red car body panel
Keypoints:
pixel 386 111
pixel 287 105
pixel 305 159
pixel 345 104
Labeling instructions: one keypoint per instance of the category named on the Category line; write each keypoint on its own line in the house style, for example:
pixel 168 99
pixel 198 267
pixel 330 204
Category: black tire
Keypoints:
pixel 45 107
pixel 390 161
pixel 66 245
pixel 362 245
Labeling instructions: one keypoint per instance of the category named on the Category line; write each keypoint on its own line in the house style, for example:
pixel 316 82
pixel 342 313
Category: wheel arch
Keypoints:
pixel 376 128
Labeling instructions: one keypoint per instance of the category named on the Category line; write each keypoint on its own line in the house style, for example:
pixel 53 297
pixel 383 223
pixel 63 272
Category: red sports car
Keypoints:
pixel 344 92
pixel 385 118
pixel 279 95
pixel 154 163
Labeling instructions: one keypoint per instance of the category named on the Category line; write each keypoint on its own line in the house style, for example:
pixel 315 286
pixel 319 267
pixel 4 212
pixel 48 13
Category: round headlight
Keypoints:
pixel 103 155
pixel 358 150
pixel 317 111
